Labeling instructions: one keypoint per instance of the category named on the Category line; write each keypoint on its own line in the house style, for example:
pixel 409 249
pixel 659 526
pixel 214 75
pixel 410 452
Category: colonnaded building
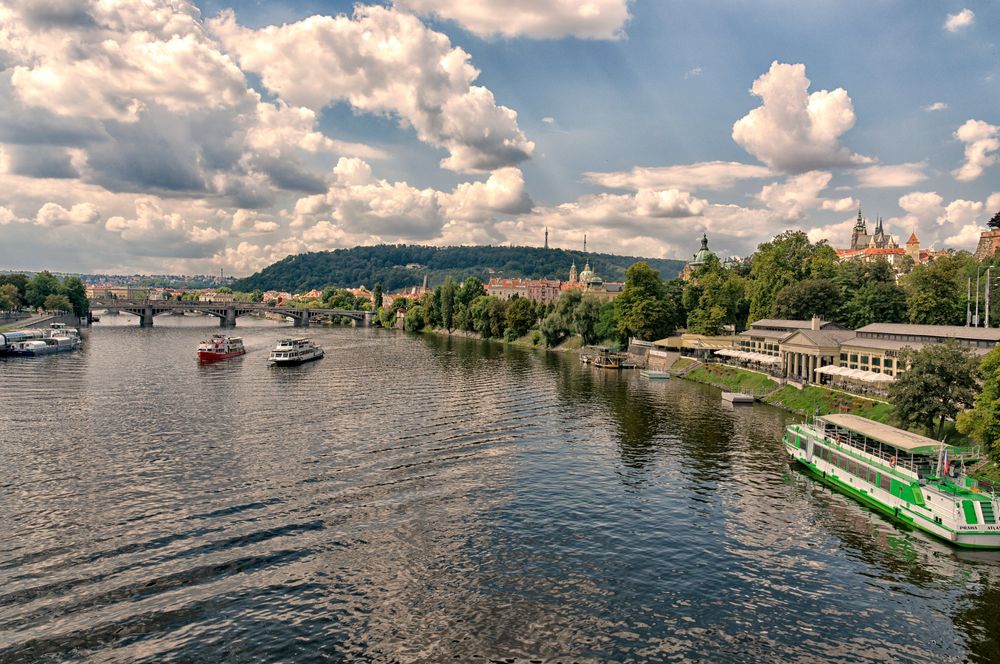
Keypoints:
pixel 818 351
pixel 549 290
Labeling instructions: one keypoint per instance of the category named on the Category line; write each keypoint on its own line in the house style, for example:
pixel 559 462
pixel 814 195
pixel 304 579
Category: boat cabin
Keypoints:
pixel 917 453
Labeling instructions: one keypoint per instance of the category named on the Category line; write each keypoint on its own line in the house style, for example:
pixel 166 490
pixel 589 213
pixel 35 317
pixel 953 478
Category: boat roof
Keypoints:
pixel 883 433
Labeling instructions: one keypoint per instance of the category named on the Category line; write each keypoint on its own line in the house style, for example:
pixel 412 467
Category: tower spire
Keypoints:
pixel 584 243
pixel 546 237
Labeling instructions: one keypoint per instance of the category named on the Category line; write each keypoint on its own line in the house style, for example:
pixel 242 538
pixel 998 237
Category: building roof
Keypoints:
pixel 934 331
pixel 824 338
pixel 883 433
pixel 786 324
pixel 913 239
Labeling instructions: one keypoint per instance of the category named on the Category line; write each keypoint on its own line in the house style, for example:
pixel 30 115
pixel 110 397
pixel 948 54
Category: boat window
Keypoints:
pixel 884 481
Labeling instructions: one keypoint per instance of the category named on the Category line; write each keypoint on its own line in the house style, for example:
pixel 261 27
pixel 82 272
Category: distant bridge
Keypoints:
pixel 226 312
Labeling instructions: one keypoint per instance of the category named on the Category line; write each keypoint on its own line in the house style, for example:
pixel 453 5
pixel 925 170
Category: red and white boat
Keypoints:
pixel 220 347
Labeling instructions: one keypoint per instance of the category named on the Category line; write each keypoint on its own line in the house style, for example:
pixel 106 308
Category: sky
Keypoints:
pixel 173 136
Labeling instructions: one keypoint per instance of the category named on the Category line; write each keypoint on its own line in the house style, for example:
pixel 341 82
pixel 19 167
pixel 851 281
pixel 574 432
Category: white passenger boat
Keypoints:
pixel 294 351
pixel 908 477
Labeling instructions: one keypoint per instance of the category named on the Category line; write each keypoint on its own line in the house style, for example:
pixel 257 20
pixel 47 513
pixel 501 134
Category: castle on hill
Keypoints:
pixel 881 245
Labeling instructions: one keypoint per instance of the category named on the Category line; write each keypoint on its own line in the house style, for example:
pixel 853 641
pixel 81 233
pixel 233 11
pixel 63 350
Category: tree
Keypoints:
pixel 994 223
pixel 10 300
pixel 414 321
pixel 19 281
pixel 936 291
pixel 607 323
pixel 40 287
pixel 789 258
pixel 875 303
pixel 76 293
pixel 553 329
pixel 805 299
pixel 939 381
pixel 982 422
pixel 377 296
pixel 643 309
pixel 448 304
pixel 520 316
pixel 56 302
pixel 585 318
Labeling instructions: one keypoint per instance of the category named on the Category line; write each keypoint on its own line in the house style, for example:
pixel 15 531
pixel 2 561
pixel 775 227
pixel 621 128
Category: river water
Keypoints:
pixel 428 499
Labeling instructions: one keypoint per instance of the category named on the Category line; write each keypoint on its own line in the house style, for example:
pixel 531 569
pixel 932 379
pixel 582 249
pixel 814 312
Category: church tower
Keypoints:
pixel 859 236
pixel 572 273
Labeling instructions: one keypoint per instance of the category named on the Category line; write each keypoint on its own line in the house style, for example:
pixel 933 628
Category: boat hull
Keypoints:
pixel 204 356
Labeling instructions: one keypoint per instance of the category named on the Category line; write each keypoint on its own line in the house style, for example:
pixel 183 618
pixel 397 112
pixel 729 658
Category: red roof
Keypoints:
pixel 913 239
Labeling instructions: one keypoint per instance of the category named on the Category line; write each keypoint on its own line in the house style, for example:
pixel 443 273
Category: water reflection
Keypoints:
pixel 430 498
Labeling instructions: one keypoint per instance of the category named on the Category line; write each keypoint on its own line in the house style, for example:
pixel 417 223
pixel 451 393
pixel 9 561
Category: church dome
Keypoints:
pixel 704 253
pixel 587 275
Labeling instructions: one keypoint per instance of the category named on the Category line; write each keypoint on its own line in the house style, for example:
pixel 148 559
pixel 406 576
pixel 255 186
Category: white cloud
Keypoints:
pixel 549 120
pixel 8 217
pixel 587 19
pixel 938 224
pixel 357 204
pixel 795 131
pixel 891 175
pixel 53 214
pixel 384 62
pixel 503 192
pixel 840 204
pixel 670 203
pixel 792 198
pixel 125 58
pixel 966 237
pixel 936 106
pixel 689 177
pixel 155 232
pixel 993 203
pixel 693 72
pixel 962 19
pixel 982 141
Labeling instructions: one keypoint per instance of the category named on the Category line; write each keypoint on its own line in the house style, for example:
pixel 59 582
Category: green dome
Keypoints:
pixel 703 253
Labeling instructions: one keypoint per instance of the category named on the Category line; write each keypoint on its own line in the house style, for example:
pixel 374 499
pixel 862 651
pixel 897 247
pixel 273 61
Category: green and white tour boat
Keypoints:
pixel 914 479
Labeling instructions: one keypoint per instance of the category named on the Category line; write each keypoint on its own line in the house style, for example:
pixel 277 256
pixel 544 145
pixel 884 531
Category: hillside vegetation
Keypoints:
pixel 386 264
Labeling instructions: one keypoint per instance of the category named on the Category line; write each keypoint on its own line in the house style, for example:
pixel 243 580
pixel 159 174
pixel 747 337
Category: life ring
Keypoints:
pixel 892 462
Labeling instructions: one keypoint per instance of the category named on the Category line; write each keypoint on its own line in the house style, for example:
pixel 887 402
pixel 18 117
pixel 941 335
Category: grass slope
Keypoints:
pixel 732 379
pixel 811 399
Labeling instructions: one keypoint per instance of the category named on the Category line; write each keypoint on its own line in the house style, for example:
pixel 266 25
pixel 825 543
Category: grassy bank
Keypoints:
pixel 811 399
pixel 732 379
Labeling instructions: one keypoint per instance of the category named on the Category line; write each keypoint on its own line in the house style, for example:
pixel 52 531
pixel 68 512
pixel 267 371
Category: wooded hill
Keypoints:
pixel 386 264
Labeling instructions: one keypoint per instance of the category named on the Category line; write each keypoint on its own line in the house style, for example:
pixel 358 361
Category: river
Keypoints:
pixel 424 498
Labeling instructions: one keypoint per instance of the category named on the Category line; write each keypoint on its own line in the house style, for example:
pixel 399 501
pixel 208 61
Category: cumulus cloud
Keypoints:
pixel 53 214
pixel 993 203
pixel 937 223
pixel 795 131
pixel 118 61
pixel 962 19
pixel 384 62
pixel 587 19
pixel 357 203
pixel 982 141
pixel 503 192
pixel 156 232
pixel 891 175
pixel 689 177
pixel 793 197
pixel 671 203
